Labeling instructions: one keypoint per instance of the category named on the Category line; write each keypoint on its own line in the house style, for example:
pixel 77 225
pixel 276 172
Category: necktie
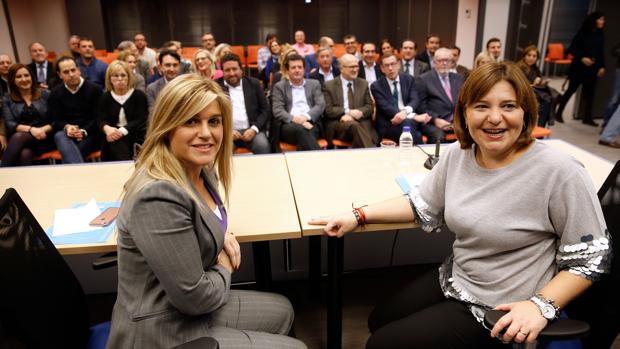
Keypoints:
pixel 395 95
pixel 446 87
pixel 407 65
pixel 350 95
pixel 41 74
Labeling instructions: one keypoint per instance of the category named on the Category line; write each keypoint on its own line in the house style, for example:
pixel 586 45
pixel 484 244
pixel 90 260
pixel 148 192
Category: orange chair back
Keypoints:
pixel 253 55
pixel 339 50
pixel 238 50
pixel 555 51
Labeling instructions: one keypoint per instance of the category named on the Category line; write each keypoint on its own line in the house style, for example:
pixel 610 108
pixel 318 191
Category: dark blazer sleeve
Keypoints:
pixel 136 111
pixel 256 104
pixel 55 109
pixel 334 107
pixel 410 96
pixel 383 97
pixel 90 118
pixel 367 107
pixel 163 220
pixel 421 87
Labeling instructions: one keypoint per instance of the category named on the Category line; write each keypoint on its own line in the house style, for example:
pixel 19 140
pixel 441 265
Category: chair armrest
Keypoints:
pixel 200 343
pixel 556 330
pixel 108 260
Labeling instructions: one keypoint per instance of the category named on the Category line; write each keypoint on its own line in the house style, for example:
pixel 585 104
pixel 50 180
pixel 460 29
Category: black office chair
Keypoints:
pixel 595 315
pixel 42 304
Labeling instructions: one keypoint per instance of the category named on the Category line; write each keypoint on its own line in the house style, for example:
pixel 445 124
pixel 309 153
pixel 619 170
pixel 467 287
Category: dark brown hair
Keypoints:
pixel 480 82
pixel 15 94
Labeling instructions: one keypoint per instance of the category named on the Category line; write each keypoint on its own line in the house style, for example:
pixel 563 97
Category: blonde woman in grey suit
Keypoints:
pixel 175 255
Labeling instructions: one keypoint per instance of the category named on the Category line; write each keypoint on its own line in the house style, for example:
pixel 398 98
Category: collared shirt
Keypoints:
pixel 262 57
pixel 78 88
pixel 240 115
pixel 327 76
pixel 304 49
pixel 371 75
pixel 401 104
pixel 411 66
pixel 94 72
pixel 300 103
pixel 148 55
pixel 345 93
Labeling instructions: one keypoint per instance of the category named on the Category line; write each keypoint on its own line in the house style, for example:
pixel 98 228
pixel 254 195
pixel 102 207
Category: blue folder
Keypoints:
pixel 94 236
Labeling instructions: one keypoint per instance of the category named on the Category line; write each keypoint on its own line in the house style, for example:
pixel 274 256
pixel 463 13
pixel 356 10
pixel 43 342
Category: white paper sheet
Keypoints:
pixel 75 220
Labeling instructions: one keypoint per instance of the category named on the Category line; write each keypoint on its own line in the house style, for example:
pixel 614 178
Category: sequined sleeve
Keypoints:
pixel 426 216
pixel 590 258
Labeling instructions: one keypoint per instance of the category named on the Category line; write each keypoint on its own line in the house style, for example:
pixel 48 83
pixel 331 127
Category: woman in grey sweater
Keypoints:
pixel 530 233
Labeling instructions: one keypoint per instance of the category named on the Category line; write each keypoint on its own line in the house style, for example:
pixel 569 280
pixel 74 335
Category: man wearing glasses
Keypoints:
pixel 438 90
pixel 348 106
pixel 350 46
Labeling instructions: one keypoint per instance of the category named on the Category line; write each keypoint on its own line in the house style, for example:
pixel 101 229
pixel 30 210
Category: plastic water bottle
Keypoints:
pixel 405 147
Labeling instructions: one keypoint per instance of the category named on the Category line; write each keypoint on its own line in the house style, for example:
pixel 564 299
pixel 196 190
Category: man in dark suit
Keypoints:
pixel 251 111
pixel 369 68
pixel 297 105
pixel 5 64
pixel 396 100
pixel 410 65
pixel 43 71
pixel 432 44
pixel 348 106
pixel 326 70
pixel 311 61
pixel 438 90
pixel 169 65
pixel 456 67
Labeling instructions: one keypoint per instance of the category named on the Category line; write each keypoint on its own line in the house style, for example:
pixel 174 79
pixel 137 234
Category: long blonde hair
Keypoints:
pixel 181 99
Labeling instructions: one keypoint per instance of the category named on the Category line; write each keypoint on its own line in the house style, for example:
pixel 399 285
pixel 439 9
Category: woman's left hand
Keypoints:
pixel 523 322
pixel 231 246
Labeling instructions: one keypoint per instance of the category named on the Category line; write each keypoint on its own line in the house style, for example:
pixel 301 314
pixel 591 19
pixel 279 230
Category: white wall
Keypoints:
pixel 466 31
pixel 43 21
pixel 496 22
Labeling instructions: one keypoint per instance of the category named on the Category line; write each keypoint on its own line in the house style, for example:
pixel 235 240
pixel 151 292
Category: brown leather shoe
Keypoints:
pixel 613 144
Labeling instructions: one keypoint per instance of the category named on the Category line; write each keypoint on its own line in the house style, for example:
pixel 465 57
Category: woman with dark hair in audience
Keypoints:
pixel 544 93
pixel 529 230
pixel 386 47
pixel 272 63
pixel 132 61
pixel 587 66
pixel 123 113
pixel 204 65
pixel 26 118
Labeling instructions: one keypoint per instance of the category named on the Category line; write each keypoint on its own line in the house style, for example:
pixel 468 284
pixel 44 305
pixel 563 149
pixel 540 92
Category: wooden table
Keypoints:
pixel 260 191
pixel 326 183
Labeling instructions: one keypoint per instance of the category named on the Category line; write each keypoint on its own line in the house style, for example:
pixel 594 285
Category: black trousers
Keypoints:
pixel 589 85
pixel 420 316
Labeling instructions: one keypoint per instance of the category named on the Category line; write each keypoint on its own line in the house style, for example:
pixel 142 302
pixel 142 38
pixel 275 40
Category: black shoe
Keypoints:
pixel 613 144
pixel 590 122
pixel 559 118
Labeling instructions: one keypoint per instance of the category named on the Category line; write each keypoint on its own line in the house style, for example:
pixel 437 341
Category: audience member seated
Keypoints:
pixel 74 47
pixel 251 111
pixel 298 105
pixel 350 46
pixel 220 51
pixel 530 235
pixel 185 66
pixel 264 53
pixel 144 53
pixel 273 63
pixel 42 70
pixel 348 107
pixel 73 110
pixel 123 113
pixel 369 68
pixel 156 71
pixel 396 99
pixel 287 51
pixel 300 44
pixel 482 58
pixel 494 49
pixel 312 63
pixel 326 70
pixel 410 65
pixel 26 119
pixel 208 42
pixel 91 68
pixel 456 67
pixel 438 90
pixel 131 59
pixel 432 44
pixel 204 65
pixel 5 64
pixel 169 65
pixel 175 253
pixel 547 98
pixel 140 66
pixel 387 47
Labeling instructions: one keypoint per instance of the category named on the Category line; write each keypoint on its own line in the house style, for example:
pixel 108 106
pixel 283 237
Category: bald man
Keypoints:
pixel 348 106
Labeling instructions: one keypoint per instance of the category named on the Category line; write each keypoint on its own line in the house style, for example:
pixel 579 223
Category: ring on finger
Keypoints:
pixel 523 333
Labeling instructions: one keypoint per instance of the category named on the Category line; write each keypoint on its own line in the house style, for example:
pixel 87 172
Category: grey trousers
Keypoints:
pixel 253 319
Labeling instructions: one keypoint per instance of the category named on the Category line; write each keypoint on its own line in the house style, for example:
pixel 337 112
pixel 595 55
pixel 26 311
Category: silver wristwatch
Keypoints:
pixel 547 307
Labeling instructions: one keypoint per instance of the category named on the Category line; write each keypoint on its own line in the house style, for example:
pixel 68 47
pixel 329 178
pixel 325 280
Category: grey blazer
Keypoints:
pixel 419 67
pixel 168 281
pixel 433 98
pixel 282 100
pixel 152 90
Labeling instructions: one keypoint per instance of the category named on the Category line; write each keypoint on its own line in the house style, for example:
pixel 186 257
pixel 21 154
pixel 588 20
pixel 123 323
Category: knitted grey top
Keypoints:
pixel 515 226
